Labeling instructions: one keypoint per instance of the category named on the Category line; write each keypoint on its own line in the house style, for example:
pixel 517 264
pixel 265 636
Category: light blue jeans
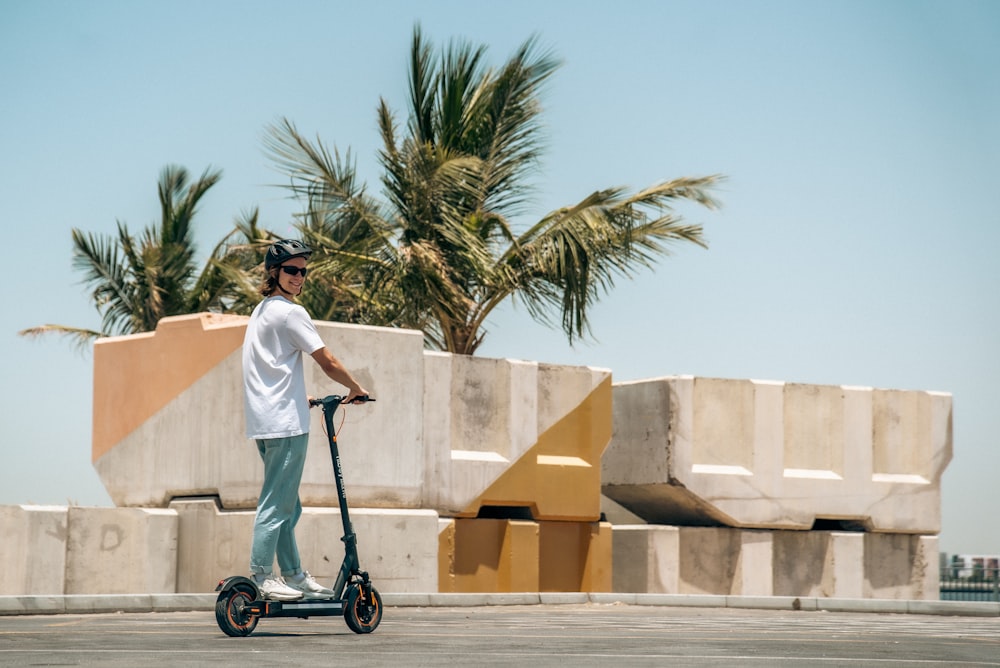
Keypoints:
pixel 279 508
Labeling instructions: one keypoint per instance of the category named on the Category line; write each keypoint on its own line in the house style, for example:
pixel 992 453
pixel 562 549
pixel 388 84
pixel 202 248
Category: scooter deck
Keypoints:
pixel 317 607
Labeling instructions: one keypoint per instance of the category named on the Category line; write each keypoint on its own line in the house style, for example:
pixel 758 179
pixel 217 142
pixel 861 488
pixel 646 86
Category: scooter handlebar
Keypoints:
pixel 336 400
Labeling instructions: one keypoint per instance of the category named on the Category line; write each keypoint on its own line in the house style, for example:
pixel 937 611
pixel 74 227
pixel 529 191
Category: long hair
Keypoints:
pixel 270 282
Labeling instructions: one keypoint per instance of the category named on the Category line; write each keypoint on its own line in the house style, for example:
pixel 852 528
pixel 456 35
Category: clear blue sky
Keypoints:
pixel 857 244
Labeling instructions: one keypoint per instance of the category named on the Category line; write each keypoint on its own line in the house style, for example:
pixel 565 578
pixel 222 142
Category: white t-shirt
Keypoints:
pixel 274 390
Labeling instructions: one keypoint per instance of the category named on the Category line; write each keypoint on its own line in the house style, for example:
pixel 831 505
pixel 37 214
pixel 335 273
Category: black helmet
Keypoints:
pixel 283 250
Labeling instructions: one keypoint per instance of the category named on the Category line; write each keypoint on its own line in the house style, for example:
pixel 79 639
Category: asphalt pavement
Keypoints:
pixel 577 634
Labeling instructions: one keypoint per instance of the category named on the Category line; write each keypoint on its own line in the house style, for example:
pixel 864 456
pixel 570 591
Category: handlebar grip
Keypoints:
pixel 337 399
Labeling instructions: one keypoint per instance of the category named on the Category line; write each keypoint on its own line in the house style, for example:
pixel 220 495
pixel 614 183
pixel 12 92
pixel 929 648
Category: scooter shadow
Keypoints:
pixel 289 634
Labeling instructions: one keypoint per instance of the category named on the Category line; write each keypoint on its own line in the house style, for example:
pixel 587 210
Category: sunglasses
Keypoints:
pixel 294 271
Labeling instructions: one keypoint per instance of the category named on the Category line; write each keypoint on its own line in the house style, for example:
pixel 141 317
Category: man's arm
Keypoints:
pixel 337 372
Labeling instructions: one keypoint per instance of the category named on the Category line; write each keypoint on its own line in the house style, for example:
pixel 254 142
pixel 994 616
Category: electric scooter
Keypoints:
pixel 239 606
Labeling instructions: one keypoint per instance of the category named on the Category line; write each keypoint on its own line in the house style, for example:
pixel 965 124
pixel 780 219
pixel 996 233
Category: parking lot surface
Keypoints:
pixel 538 635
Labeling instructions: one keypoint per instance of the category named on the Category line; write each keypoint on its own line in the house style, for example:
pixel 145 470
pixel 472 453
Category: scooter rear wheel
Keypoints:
pixel 361 615
pixel 231 610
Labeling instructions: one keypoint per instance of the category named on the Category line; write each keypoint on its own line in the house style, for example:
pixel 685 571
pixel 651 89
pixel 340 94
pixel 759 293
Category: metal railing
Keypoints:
pixel 970 584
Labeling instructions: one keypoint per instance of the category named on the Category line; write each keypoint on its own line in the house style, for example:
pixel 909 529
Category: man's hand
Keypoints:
pixel 356 394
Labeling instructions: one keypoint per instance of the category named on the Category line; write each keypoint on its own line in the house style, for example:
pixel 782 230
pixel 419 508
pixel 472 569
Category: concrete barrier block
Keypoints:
pixel 497 432
pixel 499 555
pixel 575 556
pixel 381 444
pixel 788 565
pixel 489 555
pixel 398 548
pixel 121 551
pixel 721 561
pixel 515 435
pixel 645 559
pixel 709 561
pixel 818 564
pixel 900 566
pixel 33 550
pixel 184 435
pixel 213 543
pixel 762 454
pixel 756 573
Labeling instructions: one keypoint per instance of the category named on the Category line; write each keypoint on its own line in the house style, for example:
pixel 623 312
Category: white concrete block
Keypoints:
pixel 756 571
pixel 787 565
pixel 645 559
pixel 398 548
pixel 818 564
pixel 709 560
pixel 121 551
pixel 33 550
pixel 762 454
pixel 847 552
pixel 901 566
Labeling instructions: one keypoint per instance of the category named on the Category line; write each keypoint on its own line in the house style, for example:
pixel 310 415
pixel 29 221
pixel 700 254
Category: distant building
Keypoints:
pixel 971 566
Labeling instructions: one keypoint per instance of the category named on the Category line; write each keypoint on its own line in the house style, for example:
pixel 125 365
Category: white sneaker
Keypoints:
pixel 275 590
pixel 307 585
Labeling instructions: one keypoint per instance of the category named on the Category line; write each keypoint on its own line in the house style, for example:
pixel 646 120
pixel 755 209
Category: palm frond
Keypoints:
pixel 439 252
pixel 423 79
pixel 79 338
pixel 134 282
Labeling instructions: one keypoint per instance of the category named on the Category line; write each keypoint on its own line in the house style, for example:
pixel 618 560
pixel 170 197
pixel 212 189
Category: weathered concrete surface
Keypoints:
pixel 483 475
pixel 511 434
pixel 739 562
pixel 398 548
pixel 756 454
pixel 120 550
pixel 190 546
pixel 448 433
pixel 188 438
pixel 33 549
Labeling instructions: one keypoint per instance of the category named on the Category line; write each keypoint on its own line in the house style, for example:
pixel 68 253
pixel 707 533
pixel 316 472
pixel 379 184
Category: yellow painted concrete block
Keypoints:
pixel 575 556
pixel 560 477
pixel 502 555
pixel 487 555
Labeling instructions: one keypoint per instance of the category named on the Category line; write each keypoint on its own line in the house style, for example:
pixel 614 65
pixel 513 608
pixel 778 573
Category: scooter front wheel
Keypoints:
pixel 232 610
pixel 362 614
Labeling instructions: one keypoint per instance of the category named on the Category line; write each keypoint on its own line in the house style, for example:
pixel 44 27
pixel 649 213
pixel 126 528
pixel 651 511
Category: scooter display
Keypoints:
pixel 240 606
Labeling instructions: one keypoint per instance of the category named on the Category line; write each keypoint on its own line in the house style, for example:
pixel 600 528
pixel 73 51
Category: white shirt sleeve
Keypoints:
pixel 302 332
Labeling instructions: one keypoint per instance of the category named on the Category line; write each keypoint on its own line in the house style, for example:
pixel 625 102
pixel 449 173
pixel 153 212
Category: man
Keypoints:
pixel 277 416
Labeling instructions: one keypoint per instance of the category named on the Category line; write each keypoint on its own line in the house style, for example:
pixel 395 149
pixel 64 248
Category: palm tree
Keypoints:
pixel 135 281
pixel 441 252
